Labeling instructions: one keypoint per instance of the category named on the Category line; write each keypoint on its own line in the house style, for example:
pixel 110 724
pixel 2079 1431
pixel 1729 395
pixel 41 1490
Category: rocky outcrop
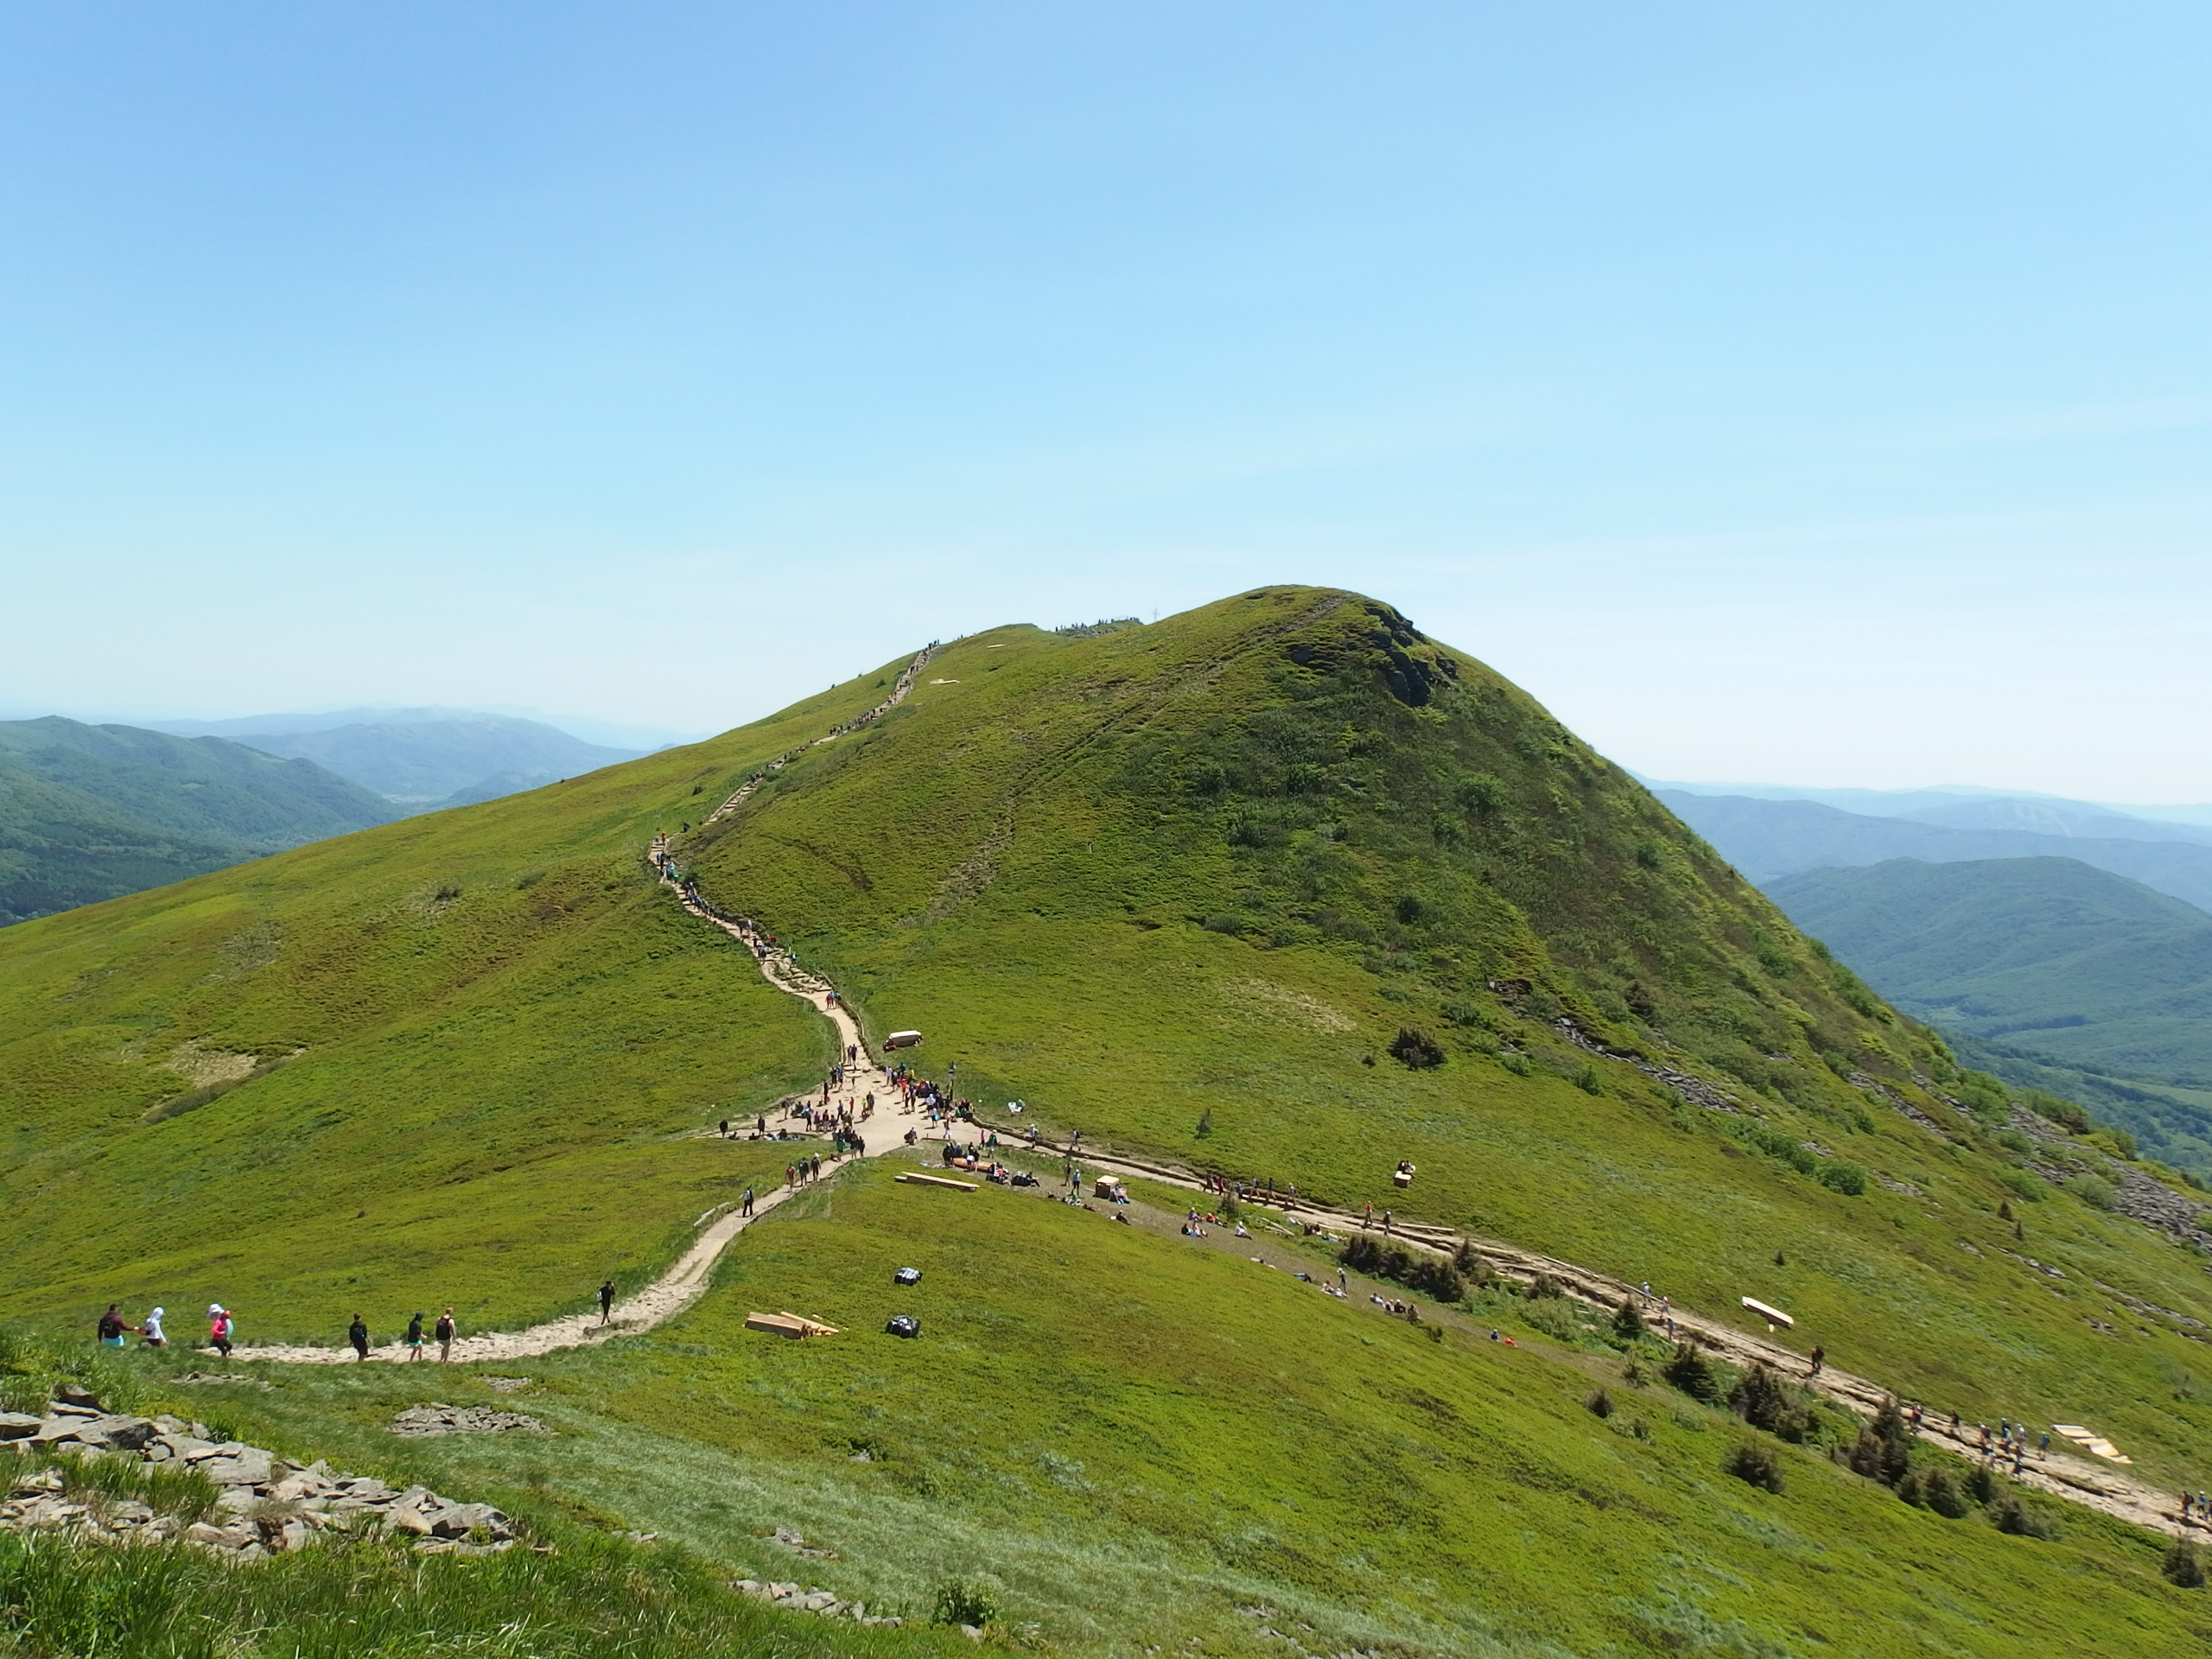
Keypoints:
pixel 264 1505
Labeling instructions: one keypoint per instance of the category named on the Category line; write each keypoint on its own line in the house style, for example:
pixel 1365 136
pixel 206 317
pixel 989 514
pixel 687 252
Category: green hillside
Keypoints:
pixel 88 812
pixel 1277 887
pixel 2052 959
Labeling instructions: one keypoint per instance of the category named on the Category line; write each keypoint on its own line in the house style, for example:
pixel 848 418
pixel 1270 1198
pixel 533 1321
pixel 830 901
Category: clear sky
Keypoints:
pixel 1815 393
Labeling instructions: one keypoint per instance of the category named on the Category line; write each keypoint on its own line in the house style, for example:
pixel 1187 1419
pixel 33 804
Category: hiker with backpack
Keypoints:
pixel 445 1331
pixel 358 1334
pixel 111 1327
pixel 606 1302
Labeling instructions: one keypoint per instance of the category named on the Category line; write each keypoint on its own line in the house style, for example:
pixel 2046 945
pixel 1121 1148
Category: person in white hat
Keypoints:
pixel 219 1328
pixel 152 1329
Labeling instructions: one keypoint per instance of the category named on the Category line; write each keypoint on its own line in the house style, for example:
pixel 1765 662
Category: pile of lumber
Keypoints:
pixel 788 1325
pixel 916 1179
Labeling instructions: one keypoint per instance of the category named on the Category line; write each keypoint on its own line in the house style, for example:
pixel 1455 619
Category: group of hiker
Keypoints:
pixel 114 1332
pixel 356 1336
pixel 1252 1191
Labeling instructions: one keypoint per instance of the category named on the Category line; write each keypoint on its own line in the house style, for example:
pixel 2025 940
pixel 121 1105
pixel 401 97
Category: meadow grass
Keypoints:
pixel 1137 1435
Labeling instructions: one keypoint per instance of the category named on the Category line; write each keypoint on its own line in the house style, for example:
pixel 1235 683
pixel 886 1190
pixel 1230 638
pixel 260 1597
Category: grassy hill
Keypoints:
pixel 1277 887
pixel 88 812
pixel 2061 961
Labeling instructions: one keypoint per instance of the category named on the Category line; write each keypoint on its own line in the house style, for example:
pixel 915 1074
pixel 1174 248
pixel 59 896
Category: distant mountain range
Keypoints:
pixel 2041 935
pixel 1908 802
pixel 422 759
pixel 1768 838
pixel 2081 972
pixel 91 813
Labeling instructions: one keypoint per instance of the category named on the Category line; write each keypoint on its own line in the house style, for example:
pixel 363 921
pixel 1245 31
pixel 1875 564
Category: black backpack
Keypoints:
pixel 904 1324
pixel 907 1276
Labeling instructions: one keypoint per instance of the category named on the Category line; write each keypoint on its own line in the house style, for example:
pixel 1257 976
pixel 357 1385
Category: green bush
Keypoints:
pixel 2183 1565
pixel 1600 1404
pixel 973 1600
pixel 2093 1190
pixel 1760 1399
pixel 1841 1175
pixel 1694 1374
pixel 2025 1186
pixel 1416 1048
pixel 2022 1521
pixel 1554 1317
pixel 1628 1320
pixel 1935 1490
pixel 1756 1465
pixel 1984 1097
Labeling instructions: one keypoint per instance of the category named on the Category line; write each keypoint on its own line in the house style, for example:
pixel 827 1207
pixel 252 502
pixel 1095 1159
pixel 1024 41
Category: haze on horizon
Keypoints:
pixel 1816 396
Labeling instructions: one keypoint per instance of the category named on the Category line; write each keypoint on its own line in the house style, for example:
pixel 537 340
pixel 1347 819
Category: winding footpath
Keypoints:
pixel 2072 1478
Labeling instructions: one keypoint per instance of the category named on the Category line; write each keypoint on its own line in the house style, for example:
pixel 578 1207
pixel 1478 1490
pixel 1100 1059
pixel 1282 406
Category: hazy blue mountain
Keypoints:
pixel 426 762
pixel 2047 817
pixel 2056 961
pixel 1968 806
pixel 89 812
pixel 1767 839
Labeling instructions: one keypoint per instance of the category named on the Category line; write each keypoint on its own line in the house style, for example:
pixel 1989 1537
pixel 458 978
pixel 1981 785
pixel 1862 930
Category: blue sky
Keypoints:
pixel 1815 393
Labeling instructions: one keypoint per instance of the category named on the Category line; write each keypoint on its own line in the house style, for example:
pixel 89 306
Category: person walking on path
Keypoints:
pixel 1819 1359
pixel 1367 1219
pixel 1386 1223
pixel 415 1337
pixel 358 1334
pixel 745 1206
pixel 606 1302
pixel 444 1332
pixel 152 1329
pixel 111 1327
pixel 221 1324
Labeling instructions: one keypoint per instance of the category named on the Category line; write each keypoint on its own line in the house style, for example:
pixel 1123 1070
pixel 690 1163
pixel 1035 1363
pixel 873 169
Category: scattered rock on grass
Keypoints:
pixel 462 1419
pixel 267 1505
pixel 814 1600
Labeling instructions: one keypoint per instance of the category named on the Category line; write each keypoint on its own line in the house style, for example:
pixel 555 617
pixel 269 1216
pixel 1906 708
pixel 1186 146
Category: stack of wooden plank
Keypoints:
pixel 788 1325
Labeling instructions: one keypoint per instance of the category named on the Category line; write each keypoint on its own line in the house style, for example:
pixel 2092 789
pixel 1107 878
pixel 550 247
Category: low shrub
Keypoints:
pixel 973 1600
pixel 1935 1490
pixel 2183 1565
pixel 2022 1521
pixel 1694 1374
pixel 1756 1465
pixel 1600 1403
pixel 1554 1317
pixel 1841 1175
pixel 1628 1320
pixel 2093 1190
pixel 1415 1047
